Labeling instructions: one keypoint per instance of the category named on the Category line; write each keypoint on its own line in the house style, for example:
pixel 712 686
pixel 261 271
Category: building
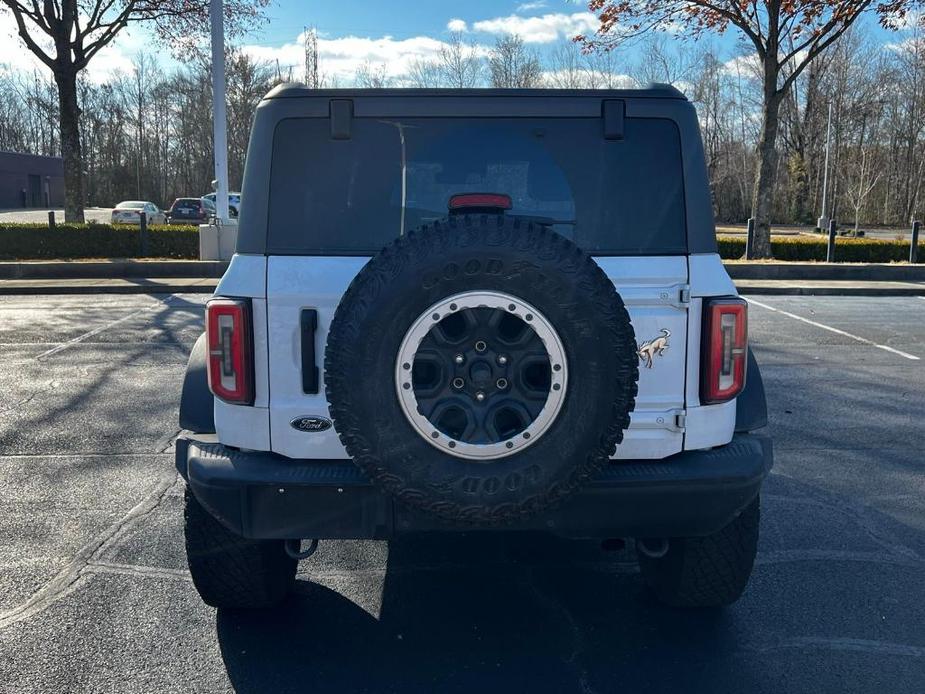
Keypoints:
pixel 29 180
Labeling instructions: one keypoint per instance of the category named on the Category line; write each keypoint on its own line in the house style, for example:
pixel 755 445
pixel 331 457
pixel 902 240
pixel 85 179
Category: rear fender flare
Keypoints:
pixel 197 404
pixel 751 405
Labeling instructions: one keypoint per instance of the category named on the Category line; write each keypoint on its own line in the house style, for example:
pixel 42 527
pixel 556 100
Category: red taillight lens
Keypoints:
pixel 724 349
pixel 495 201
pixel 230 340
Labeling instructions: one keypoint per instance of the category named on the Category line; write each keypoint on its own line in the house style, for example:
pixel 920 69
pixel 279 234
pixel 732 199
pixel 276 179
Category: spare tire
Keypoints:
pixel 481 368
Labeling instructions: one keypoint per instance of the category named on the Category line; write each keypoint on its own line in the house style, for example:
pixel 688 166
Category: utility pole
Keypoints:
pixel 219 118
pixel 823 222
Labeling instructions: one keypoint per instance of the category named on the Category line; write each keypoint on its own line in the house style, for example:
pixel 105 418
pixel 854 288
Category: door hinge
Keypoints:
pixel 680 420
pixel 682 295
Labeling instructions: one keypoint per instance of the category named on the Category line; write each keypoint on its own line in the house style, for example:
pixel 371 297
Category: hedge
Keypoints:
pixel 37 241
pixel 847 250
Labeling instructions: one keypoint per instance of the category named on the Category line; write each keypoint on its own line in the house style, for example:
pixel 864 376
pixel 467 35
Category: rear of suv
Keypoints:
pixel 190 211
pixel 474 311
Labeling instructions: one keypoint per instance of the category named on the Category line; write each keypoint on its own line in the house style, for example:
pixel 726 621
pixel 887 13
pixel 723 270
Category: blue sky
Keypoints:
pixel 388 34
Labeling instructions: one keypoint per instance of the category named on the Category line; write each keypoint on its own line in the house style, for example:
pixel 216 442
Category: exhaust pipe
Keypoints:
pixel 654 548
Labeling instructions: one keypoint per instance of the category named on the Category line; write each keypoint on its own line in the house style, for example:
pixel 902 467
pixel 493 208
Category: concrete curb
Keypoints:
pixel 122 269
pixel 849 272
pixel 207 286
pixel 110 269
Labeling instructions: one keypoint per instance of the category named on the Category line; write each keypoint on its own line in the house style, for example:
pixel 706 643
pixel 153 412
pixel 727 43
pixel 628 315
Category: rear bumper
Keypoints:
pixel 264 495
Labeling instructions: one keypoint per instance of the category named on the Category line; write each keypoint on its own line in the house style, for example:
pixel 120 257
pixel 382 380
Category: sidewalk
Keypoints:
pixel 206 285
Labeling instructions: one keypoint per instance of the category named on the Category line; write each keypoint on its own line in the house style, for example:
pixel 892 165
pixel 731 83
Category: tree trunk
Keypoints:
pixel 763 194
pixel 69 118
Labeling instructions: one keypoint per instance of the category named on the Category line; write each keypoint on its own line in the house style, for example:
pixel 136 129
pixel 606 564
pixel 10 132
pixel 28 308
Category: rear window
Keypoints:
pixel 353 196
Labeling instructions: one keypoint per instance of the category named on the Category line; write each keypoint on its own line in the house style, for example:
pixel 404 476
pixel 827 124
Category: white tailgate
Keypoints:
pixel 656 294
pixel 651 287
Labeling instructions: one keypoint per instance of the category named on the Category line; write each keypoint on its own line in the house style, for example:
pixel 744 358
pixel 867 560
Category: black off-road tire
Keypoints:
pixel 709 571
pixel 481 253
pixel 230 571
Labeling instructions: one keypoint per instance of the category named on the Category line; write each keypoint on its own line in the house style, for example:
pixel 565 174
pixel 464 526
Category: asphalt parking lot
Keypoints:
pixel 91 214
pixel 94 595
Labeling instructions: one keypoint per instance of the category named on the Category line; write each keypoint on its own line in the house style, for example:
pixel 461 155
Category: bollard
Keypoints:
pixel 830 249
pixel 914 246
pixel 144 234
pixel 750 239
pixel 51 220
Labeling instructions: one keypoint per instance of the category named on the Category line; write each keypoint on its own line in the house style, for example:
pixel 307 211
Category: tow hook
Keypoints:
pixel 294 549
pixel 653 547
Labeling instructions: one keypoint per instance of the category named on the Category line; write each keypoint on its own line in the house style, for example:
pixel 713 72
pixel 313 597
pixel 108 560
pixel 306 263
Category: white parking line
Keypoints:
pixel 863 340
pixel 97 331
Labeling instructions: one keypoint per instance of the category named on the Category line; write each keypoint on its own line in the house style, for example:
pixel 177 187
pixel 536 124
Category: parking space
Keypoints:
pixel 96 598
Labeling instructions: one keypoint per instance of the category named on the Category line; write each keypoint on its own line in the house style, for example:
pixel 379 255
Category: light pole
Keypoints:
pixel 219 134
pixel 823 222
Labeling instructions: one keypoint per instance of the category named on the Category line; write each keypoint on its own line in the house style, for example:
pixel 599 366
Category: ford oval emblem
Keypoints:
pixel 310 423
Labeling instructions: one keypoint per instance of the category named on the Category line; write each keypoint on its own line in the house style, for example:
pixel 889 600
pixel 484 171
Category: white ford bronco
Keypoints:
pixel 474 311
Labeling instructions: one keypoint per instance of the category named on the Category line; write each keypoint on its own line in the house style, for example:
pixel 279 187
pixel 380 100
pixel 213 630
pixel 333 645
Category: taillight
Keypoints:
pixel 724 349
pixel 230 340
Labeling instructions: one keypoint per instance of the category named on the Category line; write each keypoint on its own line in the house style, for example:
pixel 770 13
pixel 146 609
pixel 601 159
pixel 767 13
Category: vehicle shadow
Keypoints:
pixel 467 614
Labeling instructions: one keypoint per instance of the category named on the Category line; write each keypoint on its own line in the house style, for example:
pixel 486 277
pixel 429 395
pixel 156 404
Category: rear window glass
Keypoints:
pixel 353 196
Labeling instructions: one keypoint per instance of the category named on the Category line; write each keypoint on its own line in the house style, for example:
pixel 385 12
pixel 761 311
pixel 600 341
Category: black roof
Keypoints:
pixel 293 90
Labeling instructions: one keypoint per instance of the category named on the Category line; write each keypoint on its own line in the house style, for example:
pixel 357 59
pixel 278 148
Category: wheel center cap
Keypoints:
pixel 481 374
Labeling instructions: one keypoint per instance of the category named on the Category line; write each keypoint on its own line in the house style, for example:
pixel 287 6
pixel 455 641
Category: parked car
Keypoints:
pixel 129 212
pixel 234 202
pixel 492 311
pixel 190 211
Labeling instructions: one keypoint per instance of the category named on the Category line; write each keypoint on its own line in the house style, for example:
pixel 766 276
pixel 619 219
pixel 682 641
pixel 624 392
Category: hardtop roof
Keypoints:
pixel 651 91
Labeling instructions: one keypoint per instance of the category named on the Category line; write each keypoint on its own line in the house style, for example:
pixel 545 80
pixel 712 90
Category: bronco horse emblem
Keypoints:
pixel 653 348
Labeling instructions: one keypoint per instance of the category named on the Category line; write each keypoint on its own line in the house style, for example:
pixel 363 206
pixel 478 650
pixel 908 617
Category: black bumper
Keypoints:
pixel 264 495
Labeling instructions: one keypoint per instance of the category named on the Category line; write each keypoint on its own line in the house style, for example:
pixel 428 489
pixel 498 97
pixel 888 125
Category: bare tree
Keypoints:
pixel 372 75
pixel 567 68
pixel 786 37
pixel 512 65
pixel 424 73
pixel 65 35
pixel 460 63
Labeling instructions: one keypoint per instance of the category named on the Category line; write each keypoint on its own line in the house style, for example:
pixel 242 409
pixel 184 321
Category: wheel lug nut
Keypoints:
pixel 480 396
pixel 480 346
pixel 459 359
pixel 458 383
pixel 501 383
pixel 502 359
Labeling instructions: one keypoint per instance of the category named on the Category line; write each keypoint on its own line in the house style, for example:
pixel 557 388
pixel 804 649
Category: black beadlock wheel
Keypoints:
pixel 481 368
pixel 709 571
pixel 230 571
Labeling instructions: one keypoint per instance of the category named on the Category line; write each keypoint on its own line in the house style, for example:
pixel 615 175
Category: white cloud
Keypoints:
pixel 542 29
pixel 530 6
pixel 457 25
pixel 744 66
pixel 341 57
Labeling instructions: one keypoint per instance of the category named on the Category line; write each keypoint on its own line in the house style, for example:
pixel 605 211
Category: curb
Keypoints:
pixel 844 272
pixel 111 269
pixel 13 288
pixel 128 268
pixel 65 289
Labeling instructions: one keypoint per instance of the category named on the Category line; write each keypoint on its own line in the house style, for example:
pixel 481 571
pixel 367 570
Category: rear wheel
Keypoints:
pixel 231 571
pixel 709 571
